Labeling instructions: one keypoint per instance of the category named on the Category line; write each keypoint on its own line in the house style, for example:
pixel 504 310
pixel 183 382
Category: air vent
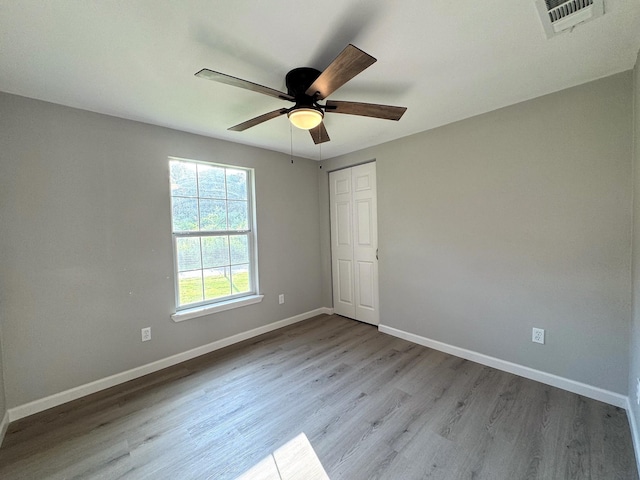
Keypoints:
pixel 560 15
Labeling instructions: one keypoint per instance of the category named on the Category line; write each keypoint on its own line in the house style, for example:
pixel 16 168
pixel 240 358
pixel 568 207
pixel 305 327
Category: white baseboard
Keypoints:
pixel 584 389
pixel 4 424
pixel 633 425
pixel 42 404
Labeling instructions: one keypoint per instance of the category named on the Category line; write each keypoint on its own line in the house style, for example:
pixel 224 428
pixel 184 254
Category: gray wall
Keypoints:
pixel 87 257
pixel 517 218
pixel 634 362
pixel 3 402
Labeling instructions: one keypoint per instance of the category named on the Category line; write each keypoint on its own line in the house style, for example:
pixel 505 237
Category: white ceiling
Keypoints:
pixel 444 60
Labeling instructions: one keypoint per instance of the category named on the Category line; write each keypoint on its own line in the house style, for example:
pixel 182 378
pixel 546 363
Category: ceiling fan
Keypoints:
pixel 306 87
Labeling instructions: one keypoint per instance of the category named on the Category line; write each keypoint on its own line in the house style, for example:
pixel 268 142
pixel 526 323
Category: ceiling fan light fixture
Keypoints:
pixel 305 118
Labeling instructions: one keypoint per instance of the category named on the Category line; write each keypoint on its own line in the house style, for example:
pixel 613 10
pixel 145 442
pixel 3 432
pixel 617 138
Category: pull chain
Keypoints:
pixel 291 145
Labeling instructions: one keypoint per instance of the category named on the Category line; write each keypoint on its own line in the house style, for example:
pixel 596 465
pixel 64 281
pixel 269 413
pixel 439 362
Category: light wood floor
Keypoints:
pixel 371 405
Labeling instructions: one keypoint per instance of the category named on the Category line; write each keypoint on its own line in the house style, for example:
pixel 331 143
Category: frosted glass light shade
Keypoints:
pixel 305 118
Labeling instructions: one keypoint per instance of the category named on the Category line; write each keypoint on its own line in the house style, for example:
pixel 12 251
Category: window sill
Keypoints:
pixel 190 313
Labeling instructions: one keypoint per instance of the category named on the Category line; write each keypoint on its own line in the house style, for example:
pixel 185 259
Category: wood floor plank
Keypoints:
pixel 372 406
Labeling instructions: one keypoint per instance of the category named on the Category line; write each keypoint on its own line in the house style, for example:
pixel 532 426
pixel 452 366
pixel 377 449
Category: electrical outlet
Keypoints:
pixel 281 298
pixel 537 335
pixel 146 334
pixel 638 391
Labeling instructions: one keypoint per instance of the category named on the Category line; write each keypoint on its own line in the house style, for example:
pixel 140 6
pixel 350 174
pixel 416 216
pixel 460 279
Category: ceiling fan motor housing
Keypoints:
pixel 298 81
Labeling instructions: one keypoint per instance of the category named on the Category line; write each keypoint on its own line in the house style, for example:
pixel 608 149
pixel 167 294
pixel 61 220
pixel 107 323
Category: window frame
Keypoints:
pixel 204 307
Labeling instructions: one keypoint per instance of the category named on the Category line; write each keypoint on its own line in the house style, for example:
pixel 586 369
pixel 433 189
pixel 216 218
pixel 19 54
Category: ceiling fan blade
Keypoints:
pixel 238 82
pixel 258 120
pixel 347 65
pixel 386 112
pixel 319 134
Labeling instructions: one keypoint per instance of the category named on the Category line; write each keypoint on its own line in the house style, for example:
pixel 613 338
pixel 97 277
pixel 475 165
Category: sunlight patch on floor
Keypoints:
pixel 295 460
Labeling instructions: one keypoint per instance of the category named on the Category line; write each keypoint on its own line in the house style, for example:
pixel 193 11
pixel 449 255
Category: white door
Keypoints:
pixel 354 242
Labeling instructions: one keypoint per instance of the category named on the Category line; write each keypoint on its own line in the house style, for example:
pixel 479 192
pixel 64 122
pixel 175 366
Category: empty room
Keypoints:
pixel 341 240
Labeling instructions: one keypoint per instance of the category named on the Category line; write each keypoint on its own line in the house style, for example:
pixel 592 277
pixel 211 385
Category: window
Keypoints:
pixel 213 233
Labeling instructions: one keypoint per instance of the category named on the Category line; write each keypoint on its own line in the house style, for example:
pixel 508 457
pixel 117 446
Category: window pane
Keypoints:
pixel 188 253
pixel 217 283
pixel 215 252
pixel 236 184
pixel 238 216
pixel 240 278
pixel 213 215
pixel 185 214
pixel 211 182
pixel 190 287
pixel 183 179
pixel 239 246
